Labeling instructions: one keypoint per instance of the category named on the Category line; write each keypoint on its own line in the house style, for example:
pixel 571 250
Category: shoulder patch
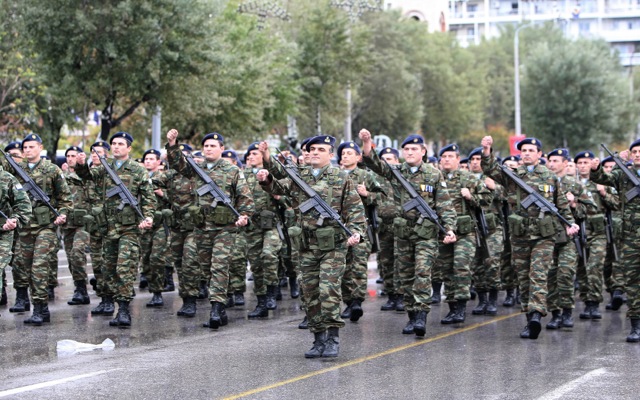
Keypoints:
pixel 443 184
pixel 18 186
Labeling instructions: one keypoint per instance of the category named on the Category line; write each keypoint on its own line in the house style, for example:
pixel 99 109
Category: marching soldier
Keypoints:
pixel 508 275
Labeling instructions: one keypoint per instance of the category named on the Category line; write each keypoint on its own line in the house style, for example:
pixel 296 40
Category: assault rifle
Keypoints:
pixel 635 191
pixel 482 231
pixel 315 201
pixel 416 202
pixel 543 204
pixel 34 190
pixel 611 240
pixel 373 227
pixel 119 189
pixel 210 187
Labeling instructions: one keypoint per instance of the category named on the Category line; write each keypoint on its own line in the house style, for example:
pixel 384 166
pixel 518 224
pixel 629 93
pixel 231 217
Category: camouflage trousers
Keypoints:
pixel 33 268
pixel 486 274
pixel 531 259
pixel 53 263
pixel 454 260
pixel 590 275
pixel 508 275
pixel 386 261
pixel 238 265
pixel 76 241
pixel 560 277
pixel 97 264
pixel 121 257
pixel 631 267
pixel 6 251
pixel 354 280
pixel 215 249
pixel 263 248
pixel 415 258
pixel 322 273
pixel 154 249
pixel 184 257
pixel 612 270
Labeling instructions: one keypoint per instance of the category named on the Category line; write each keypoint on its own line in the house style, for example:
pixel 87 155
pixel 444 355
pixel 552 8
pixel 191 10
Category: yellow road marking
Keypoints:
pixel 368 358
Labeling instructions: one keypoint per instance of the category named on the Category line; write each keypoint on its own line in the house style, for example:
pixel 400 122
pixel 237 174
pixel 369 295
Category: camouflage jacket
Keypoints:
pixel 388 207
pixel 481 196
pixel 228 177
pixel 14 201
pixel 585 204
pixel 334 186
pixel 630 210
pixel 427 180
pixel 596 215
pixel 361 176
pixel 180 194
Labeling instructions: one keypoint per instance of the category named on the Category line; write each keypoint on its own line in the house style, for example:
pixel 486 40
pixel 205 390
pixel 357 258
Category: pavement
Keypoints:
pixel 165 357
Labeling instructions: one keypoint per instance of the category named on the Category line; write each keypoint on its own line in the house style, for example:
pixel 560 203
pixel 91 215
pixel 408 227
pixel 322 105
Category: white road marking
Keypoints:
pixel 42 385
pixel 569 386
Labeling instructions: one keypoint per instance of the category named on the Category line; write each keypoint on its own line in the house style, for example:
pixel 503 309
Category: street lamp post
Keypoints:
pixel 516 66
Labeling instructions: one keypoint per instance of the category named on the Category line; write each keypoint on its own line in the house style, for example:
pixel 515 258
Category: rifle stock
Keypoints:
pixel 37 194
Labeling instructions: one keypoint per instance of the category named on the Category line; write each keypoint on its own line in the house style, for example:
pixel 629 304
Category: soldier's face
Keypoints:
pixel 557 164
pixel 72 157
pixel 511 164
pixel 151 162
pixel 321 155
pixel 349 158
pixel 474 164
pixel 584 167
pixel 254 158
pixel 16 154
pixel 212 150
pixel 529 154
pixel 571 168
pixel 94 158
pixel 635 156
pixel 464 166
pixel 120 148
pixel 306 158
pixel 31 151
pixel 391 159
pixel 450 160
pixel 413 154
pixel 608 166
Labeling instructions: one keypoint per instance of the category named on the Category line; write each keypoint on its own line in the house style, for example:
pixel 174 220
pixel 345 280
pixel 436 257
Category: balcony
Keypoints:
pixel 621 35
pixel 629 59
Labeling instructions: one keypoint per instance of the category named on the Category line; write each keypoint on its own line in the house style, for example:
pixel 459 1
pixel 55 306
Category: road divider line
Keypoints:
pixel 43 385
pixel 569 386
pixel 370 357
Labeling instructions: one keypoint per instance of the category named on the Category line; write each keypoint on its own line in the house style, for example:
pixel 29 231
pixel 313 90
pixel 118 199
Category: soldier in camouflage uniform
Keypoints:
pixel 467 193
pixel 532 231
pixel 508 275
pixel 76 238
pixel 354 281
pixel 416 238
pixel 486 273
pixel 565 257
pixel 121 240
pixel 631 237
pixel 388 210
pixel 38 236
pixel 215 225
pixel 323 247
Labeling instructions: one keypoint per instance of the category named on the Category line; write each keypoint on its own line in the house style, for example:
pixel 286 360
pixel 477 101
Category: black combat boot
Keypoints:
pixel 472 292
pixel 509 299
pixel 556 320
pixel 318 345
pixel 492 303
pixel 481 308
pixel 400 302
pixel 3 297
pixel 278 292
pixel 204 290
pixel 218 316
pixel 420 326
pixel 356 310
pixel 144 283
pixel 99 309
pixel 188 308
pixel 535 325
pixel 616 300
pixel 46 315
pixel 461 312
pixel 271 303
pixel 304 324
pixel 230 301
pixel 22 301
pixel 634 335
pixel 123 318
pixel 586 314
pixel 525 334
pixel 51 293
pixel 567 319
pixel 261 310
pixel 156 300
pixel 109 306
pixel 448 319
pixel 347 311
pixel 436 297
pixel 294 288
pixel 169 286
pixel 408 329
pixel 238 298
pixel 390 304
pixel 595 310
pixel 332 343
pixel 94 284
pixel 80 295
pixel 37 317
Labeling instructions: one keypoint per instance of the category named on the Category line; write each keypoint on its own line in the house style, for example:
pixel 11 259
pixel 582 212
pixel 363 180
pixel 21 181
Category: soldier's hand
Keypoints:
pixel 146 223
pixel 60 220
pixel 243 220
pixel 466 193
pixel 486 144
pixel 353 240
pixel 81 158
pixel 10 225
pixel 572 230
pixel 159 192
pixel 490 183
pixel 602 189
pixel 449 238
pixel 264 149
pixel 262 175
pixel 624 154
pixel 365 136
pixel 362 190
pixel 172 136
pixel 65 167
pixel 595 163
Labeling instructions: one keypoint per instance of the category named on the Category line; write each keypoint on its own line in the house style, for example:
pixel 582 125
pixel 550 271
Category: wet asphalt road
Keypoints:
pixel 165 357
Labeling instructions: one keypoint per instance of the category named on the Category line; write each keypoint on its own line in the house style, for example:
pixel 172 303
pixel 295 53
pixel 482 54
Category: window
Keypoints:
pixel 472 8
pixel 584 26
